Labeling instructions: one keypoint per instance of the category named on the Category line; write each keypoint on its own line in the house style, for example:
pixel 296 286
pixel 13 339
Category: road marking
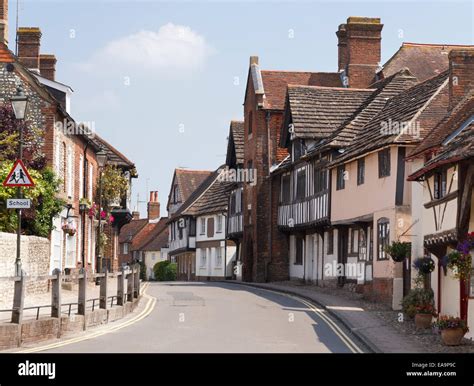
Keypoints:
pixel 146 311
pixel 322 314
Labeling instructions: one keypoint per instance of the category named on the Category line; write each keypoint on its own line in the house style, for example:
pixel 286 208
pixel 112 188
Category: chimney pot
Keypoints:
pixel 153 206
pixel 254 60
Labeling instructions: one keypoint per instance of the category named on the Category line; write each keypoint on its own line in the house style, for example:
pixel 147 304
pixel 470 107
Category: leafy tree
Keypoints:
pixel 38 220
pixel 165 271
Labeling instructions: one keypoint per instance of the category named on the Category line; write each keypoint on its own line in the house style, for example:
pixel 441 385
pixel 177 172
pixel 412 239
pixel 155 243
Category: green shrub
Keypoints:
pixel 165 271
pixel 415 298
pixel 143 271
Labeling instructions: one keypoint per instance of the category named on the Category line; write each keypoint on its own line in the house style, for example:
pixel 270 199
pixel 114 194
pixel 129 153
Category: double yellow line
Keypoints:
pixel 329 322
pixel 146 311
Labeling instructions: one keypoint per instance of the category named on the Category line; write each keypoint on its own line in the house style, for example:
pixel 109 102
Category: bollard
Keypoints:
pixel 121 287
pixel 130 280
pixel 82 301
pixel 103 290
pixel 18 299
pixel 56 295
pixel 136 281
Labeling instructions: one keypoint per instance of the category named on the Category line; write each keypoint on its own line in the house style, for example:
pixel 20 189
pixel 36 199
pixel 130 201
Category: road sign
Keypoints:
pixel 18 203
pixel 18 176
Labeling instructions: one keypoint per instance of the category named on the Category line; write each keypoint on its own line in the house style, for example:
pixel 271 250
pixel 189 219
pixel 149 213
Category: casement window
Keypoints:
pixel 354 234
pixel 298 149
pixel 320 180
pixel 64 167
pixel 91 176
pixel 286 188
pixel 203 258
pixel 175 194
pixel 232 204
pixel 384 163
pixel 192 227
pixel 383 238
pixel 360 171
pixel 202 229
pixel 340 180
pixel 219 257
pixel 362 245
pixel 219 226
pixel 299 250
pixel 330 242
pixel 440 184
pixel 81 176
pixel 125 248
pixel 301 183
pixel 250 123
pixel 210 227
pixel 69 172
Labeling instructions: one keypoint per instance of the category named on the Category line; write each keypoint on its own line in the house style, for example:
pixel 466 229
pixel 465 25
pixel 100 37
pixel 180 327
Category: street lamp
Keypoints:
pixel 101 157
pixel 19 104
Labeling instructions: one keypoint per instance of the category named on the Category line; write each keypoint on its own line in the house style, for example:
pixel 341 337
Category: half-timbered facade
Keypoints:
pixel 443 191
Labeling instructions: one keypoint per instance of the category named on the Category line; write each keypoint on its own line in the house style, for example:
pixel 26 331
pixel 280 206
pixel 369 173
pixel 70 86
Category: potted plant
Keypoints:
pixel 424 315
pixel 452 329
pixel 415 298
pixel 398 250
pixel 425 265
pixel 84 204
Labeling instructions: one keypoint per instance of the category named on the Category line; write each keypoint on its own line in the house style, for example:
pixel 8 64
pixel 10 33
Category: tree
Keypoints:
pixel 38 220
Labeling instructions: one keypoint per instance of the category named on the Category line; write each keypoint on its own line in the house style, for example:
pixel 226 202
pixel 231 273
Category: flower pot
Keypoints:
pixel 423 321
pixel 398 258
pixel 452 336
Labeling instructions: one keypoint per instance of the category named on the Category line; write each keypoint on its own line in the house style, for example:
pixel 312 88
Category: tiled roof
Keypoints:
pixel 235 143
pixel 200 189
pixel 6 56
pixel 423 60
pixel 462 111
pixel 317 112
pixel 384 91
pixel 153 237
pixel 128 231
pixel 402 108
pixel 275 83
pixel 213 200
pixel 189 180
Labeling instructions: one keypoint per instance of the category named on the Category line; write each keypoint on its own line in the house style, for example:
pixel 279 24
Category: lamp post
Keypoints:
pixel 101 161
pixel 19 104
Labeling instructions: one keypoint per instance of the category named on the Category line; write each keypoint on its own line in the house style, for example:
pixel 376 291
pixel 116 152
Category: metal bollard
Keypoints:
pixel 56 294
pixel 103 290
pixel 18 299
pixel 82 301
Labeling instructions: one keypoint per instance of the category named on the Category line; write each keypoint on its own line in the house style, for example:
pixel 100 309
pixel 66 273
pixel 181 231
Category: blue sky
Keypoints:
pixel 161 80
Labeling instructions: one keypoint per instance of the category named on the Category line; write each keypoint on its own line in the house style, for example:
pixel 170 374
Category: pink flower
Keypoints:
pixel 103 214
pixel 111 219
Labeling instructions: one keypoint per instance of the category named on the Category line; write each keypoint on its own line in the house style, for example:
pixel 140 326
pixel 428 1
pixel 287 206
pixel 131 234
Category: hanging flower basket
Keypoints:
pixel 69 228
pixel 460 260
pixel 93 211
pixel 425 265
pixel 398 250
pixel 84 205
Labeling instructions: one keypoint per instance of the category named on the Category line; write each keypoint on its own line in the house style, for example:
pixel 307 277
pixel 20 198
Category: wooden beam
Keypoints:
pixel 464 211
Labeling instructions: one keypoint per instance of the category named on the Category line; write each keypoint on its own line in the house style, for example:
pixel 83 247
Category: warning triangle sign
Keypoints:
pixel 18 176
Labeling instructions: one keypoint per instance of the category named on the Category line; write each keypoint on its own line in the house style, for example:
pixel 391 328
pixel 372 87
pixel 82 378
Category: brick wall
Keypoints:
pixel 35 255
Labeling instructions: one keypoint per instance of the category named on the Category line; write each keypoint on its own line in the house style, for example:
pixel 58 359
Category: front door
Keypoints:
pixel 342 252
pixel 406 275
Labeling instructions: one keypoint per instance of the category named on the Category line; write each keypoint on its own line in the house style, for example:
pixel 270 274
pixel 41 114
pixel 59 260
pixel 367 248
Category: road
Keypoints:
pixel 222 317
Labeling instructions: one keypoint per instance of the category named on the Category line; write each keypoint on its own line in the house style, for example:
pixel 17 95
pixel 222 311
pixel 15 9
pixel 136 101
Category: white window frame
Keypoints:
pixel 219 223
pixel 91 176
pixel 81 176
pixel 203 258
pixel 218 257
pixel 125 248
pixel 202 227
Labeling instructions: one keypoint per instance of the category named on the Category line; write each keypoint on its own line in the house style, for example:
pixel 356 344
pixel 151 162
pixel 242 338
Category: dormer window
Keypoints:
pixel 299 149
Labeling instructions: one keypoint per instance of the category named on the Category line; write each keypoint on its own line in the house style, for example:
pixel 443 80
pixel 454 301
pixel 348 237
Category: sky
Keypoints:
pixel 161 80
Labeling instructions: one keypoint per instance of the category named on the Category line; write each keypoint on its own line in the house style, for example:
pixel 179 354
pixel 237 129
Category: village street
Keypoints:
pixel 221 317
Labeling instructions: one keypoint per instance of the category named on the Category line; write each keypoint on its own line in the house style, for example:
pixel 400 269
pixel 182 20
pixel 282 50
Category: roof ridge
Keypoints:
pixel 329 87
pixel 435 45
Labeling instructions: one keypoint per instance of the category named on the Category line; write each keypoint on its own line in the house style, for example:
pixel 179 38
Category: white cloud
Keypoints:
pixel 173 48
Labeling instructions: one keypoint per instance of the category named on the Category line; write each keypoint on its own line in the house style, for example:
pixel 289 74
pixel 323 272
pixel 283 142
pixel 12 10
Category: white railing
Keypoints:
pixel 311 210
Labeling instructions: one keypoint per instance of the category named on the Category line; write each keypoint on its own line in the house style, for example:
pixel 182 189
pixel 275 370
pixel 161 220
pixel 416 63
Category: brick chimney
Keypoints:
pixel 136 215
pixel 153 206
pixel 461 74
pixel 359 48
pixel 342 53
pixel 29 40
pixel 4 21
pixel 48 66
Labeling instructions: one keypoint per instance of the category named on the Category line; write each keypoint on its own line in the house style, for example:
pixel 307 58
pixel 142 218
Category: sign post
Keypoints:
pixel 19 177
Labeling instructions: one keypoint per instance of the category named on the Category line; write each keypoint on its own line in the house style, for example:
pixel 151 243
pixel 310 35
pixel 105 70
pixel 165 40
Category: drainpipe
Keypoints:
pixel 269 155
pixel 84 187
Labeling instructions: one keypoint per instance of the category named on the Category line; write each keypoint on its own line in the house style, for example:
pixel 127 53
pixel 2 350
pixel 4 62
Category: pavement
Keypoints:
pixel 370 329
pixel 195 317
